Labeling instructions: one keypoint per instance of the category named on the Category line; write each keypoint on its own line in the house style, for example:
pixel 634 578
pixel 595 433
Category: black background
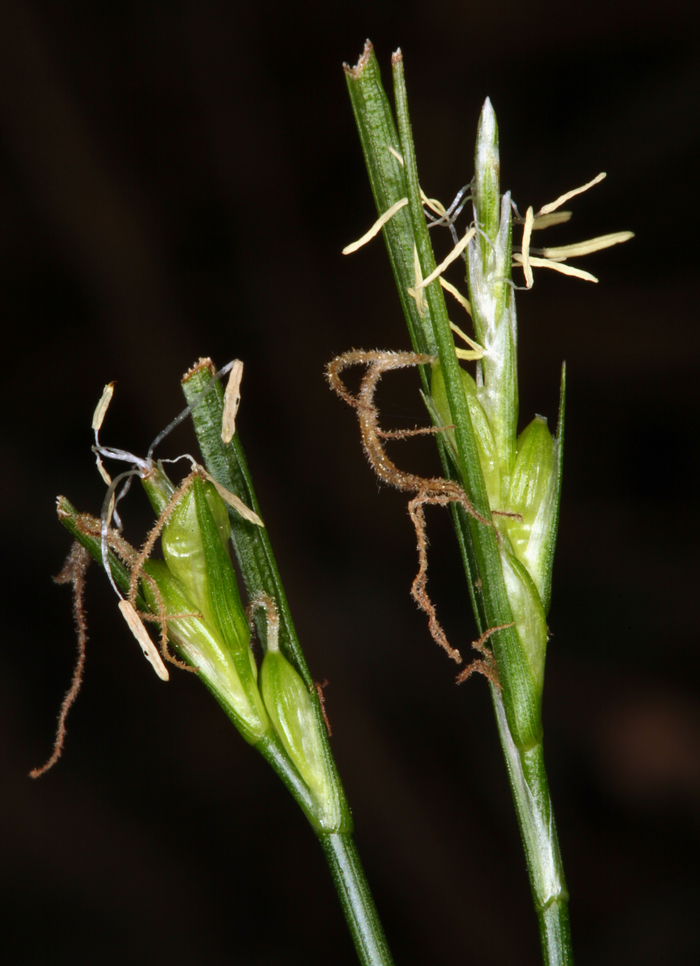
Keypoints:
pixel 178 180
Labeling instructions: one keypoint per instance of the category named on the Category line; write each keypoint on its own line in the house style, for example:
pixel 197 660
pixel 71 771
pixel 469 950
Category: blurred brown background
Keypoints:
pixel 177 180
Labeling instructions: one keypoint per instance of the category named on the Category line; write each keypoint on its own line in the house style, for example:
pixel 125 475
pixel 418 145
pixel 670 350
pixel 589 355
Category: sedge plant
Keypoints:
pixel 503 487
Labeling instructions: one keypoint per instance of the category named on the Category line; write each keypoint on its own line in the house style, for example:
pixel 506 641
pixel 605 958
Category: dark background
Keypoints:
pixel 178 180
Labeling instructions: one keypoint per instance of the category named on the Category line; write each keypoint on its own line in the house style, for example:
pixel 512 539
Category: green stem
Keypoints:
pixel 533 806
pixel 272 750
pixel 356 899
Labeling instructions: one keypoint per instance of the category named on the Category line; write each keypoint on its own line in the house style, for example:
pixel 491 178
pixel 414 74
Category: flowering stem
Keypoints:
pixel 517 703
pixel 316 785
pixel 227 464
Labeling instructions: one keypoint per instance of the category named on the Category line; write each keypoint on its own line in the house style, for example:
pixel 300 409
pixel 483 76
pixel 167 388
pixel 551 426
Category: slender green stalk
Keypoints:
pixel 533 806
pixel 356 899
pixel 517 704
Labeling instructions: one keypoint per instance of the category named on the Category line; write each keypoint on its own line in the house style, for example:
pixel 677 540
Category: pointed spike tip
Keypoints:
pixel 488 125
pixel 487 207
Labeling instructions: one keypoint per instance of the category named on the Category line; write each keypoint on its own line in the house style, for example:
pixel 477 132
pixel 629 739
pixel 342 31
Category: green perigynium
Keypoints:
pixel 195 547
pixel 529 618
pixel 529 482
pixel 293 714
pixel 534 495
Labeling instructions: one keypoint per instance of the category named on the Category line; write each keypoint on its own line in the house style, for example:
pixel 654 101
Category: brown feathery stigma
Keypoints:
pixel 133 560
pixel 486 664
pixel 434 491
pixel 73 572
